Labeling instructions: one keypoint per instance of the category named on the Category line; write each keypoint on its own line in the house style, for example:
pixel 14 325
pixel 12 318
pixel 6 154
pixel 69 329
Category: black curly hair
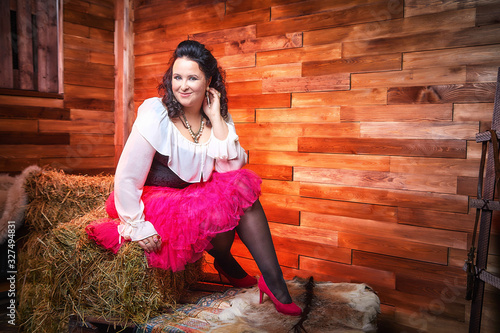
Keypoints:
pixel 197 52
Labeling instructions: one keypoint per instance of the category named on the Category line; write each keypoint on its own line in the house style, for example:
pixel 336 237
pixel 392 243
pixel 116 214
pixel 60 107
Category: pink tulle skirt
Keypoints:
pixel 186 219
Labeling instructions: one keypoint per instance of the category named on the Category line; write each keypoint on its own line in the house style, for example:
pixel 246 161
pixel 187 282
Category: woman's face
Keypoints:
pixel 188 83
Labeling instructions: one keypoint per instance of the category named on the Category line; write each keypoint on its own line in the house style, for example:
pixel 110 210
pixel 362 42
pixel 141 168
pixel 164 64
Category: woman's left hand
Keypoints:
pixel 213 110
pixel 151 244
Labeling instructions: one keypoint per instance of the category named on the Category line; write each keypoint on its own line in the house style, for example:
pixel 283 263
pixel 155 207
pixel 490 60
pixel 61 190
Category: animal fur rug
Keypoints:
pixel 13 200
pixel 334 308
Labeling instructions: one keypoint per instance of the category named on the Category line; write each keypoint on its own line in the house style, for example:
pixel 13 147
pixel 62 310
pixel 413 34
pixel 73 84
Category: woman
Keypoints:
pixel 179 186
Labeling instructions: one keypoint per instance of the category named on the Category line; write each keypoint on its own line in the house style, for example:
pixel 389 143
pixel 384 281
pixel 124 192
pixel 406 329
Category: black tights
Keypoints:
pixel 254 232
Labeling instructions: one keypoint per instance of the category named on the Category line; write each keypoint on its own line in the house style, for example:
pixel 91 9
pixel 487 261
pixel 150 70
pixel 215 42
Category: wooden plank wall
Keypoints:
pixel 74 130
pixel 360 116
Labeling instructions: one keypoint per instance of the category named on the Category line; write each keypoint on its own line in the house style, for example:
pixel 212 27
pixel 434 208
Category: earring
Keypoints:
pixel 208 97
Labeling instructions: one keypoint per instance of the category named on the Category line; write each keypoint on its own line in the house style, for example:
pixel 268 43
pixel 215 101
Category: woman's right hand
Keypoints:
pixel 151 244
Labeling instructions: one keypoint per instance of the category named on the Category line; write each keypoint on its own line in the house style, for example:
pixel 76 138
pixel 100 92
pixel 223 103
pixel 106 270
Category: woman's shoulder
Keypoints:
pixel 152 105
pixel 152 112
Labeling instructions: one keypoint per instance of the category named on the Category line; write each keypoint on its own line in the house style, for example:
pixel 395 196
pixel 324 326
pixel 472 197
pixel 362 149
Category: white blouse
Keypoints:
pixel 152 132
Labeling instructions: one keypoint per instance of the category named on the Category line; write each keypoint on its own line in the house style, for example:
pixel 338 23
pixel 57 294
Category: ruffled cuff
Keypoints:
pixel 226 149
pixel 137 230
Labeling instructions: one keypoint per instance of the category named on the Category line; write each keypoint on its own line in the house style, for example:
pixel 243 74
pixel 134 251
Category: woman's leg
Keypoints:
pixel 221 252
pixel 253 230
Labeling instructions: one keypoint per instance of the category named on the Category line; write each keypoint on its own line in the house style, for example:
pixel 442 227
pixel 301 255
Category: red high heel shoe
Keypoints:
pixel 288 309
pixel 247 281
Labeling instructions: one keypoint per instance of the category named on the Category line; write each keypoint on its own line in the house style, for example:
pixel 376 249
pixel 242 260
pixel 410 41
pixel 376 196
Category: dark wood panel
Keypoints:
pixel 33 112
pixel 76 126
pixel 29 93
pixel 16 165
pixel 89 104
pixel 467 185
pixel 16 138
pixel 488 14
pixel 56 151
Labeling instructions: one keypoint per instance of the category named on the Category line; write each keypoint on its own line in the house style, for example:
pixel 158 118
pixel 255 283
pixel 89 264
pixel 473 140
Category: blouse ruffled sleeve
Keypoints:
pixel 131 173
pixel 228 153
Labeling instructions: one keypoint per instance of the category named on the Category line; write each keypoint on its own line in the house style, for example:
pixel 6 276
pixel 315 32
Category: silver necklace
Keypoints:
pixel 196 136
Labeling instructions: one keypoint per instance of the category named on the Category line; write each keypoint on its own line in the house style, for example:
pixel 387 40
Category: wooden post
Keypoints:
pixel 6 70
pixel 25 45
pixel 46 12
pixel 124 108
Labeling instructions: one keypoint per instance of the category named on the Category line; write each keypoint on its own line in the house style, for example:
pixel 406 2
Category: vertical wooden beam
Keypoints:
pixel 60 47
pixel 52 68
pixel 46 16
pixel 6 71
pixel 41 37
pixel 124 103
pixel 25 45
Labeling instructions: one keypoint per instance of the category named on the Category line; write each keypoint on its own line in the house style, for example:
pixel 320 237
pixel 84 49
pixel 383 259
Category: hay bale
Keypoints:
pixel 61 272
pixel 55 197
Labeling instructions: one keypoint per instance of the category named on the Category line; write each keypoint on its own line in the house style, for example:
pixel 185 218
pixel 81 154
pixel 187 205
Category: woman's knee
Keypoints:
pixel 222 242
